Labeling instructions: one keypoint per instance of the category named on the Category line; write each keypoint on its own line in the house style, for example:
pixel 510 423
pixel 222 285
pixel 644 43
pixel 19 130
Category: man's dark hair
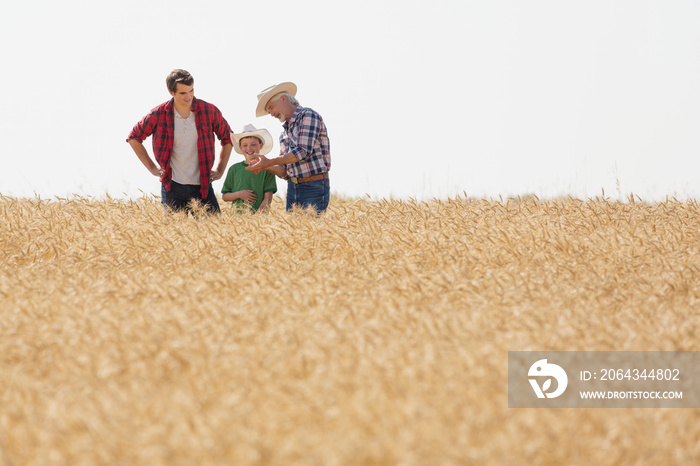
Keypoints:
pixel 178 76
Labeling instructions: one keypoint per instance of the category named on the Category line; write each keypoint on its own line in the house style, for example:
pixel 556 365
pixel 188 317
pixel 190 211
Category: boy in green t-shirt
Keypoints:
pixel 243 188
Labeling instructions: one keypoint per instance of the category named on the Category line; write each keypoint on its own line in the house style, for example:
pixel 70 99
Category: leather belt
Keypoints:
pixel 320 176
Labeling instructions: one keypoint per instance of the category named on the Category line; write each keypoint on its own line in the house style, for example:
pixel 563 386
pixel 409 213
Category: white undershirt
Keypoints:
pixel 185 161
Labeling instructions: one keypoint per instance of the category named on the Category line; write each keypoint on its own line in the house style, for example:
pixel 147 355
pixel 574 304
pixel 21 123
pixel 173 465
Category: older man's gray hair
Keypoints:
pixel 290 98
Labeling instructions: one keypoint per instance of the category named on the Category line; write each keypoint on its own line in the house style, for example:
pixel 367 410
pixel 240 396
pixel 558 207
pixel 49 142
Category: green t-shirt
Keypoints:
pixel 238 178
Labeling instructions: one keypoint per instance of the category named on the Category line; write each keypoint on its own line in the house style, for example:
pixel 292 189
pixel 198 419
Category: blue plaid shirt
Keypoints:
pixel 305 136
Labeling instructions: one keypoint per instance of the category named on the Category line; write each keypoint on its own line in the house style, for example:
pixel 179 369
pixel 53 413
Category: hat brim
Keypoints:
pixel 262 134
pixel 265 96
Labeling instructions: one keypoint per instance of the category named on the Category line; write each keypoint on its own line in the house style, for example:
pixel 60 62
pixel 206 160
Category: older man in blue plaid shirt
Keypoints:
pixel 305 155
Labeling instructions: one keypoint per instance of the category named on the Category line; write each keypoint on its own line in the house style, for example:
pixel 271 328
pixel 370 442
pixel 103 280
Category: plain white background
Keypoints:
pixel 421 99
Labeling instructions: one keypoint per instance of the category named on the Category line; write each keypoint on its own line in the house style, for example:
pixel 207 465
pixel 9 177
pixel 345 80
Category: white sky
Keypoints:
pixel 421 99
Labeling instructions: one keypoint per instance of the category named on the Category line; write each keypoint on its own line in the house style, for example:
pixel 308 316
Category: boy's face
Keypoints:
pixel 183 95
pixel 250 146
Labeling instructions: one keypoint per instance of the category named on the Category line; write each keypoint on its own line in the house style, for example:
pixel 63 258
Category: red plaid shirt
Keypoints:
pixel 160 123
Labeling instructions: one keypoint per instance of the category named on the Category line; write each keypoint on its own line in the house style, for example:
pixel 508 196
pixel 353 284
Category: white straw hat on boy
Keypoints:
pixel 250 131
pixel 265 96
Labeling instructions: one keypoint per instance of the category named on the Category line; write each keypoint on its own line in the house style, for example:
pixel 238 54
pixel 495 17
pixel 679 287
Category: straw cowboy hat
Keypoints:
pixel 248 131
pixel 267 94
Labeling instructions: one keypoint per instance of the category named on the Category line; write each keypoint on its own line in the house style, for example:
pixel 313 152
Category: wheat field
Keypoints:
pixel 376 334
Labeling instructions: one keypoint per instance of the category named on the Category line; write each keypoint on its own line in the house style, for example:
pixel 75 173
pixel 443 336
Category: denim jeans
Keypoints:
pixel 314 193
pixel 179 196
pixel 163 193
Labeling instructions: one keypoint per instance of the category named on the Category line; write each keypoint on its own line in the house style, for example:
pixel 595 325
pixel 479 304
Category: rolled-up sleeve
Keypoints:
pixel 222 128
pixel 144 128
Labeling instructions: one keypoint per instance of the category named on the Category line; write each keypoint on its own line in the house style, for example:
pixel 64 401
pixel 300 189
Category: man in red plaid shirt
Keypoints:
pixel 183 132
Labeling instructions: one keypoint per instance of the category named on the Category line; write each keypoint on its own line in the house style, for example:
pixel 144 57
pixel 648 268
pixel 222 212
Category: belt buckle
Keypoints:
pixel 294 179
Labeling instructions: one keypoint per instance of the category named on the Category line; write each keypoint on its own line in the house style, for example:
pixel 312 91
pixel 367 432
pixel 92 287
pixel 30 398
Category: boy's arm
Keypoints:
pixel 245 194
pixel 229 197
pixel 227 192
pixel 267 200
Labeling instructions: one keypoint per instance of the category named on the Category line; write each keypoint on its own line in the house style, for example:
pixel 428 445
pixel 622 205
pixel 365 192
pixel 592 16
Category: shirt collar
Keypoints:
pixel 171 106
pixel 295 115
pixel 177 115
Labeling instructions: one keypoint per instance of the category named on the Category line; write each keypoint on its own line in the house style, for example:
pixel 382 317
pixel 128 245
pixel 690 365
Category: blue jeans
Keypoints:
pixel 179 196
pixel 163 193
pixel 314 193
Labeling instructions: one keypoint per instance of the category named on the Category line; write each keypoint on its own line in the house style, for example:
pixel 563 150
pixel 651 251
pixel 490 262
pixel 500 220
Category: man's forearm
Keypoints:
pixel 218 171
pixel 271 165
pixel 278 163
pixel 278 170
pixel 143 156
pixel 224 155
pixel 284 159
